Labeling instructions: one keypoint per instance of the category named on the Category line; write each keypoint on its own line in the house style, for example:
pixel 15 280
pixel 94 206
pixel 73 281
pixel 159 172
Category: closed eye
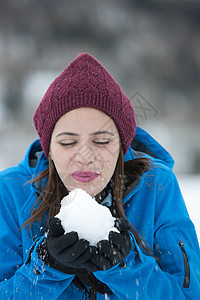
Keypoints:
pixel 67 144
pixel 101 142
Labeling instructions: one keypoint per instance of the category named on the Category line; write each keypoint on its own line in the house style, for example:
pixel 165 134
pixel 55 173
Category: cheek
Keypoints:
pixel 62 168
pixel 109 158
pixel 61 160
pixel 108 165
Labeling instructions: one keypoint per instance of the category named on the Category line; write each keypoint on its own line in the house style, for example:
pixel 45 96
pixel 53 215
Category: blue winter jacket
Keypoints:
pixel 155 207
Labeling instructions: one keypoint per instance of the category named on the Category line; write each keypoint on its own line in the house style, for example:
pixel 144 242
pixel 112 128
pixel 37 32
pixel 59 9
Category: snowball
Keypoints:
pixel 81 213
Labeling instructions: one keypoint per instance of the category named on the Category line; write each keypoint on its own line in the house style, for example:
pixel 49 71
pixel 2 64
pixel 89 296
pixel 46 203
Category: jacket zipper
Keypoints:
pixel 186 282
pixel 93 294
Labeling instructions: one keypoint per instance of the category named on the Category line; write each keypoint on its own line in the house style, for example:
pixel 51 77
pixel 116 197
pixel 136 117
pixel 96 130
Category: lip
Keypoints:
pixel 84 176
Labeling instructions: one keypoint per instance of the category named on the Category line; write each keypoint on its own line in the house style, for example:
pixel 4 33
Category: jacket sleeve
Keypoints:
pixel 17 274
pixel 176 275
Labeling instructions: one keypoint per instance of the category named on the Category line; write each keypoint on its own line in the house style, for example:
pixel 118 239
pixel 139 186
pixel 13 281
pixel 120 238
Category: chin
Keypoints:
pixel 91 189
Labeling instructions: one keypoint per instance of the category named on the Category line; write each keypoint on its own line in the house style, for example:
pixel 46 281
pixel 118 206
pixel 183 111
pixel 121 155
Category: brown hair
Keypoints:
pixel 51 190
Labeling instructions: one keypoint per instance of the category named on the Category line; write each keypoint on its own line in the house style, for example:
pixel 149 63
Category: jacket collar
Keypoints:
pixel 143 144
pixel 32 162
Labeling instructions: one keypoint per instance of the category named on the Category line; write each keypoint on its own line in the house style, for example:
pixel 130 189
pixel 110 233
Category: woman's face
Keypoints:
pixel 85 147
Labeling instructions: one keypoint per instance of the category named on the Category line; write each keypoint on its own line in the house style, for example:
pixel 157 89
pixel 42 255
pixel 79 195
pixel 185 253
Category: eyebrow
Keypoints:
pixel 93 133
pixel 101 132
pixel 67 133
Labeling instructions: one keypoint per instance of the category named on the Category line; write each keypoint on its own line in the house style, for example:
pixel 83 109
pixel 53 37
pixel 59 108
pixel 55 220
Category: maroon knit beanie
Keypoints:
pixel 84 83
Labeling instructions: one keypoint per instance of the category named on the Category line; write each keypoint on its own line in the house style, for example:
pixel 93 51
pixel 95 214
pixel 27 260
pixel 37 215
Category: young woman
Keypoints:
pixel 89 140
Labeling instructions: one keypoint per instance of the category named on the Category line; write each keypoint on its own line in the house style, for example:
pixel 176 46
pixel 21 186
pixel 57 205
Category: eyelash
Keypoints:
pixel 102 143
pixel 97 143
pixel 65 145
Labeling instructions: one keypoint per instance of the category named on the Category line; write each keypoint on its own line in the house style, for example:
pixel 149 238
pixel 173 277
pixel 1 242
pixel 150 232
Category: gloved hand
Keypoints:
pixel 112 252
pixel 65 252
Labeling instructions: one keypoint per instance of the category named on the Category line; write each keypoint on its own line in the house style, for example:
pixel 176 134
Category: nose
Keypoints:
pixel 84 155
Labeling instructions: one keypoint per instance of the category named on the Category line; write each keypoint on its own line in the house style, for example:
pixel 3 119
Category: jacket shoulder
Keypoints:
pixel 12 180
pixel 12 173
pixel 158 166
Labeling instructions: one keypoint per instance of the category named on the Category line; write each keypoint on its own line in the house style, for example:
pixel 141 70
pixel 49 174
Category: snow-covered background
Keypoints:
pixel 152 48
pixel 190 186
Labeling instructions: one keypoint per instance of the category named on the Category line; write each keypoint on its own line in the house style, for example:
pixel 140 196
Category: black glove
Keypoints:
pixel 65 252
pixel 112 252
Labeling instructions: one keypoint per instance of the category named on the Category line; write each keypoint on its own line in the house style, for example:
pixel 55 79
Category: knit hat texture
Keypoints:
pixel 84 83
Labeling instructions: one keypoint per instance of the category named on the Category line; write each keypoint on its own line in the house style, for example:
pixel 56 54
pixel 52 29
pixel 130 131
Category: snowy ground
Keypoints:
pixel 190 186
